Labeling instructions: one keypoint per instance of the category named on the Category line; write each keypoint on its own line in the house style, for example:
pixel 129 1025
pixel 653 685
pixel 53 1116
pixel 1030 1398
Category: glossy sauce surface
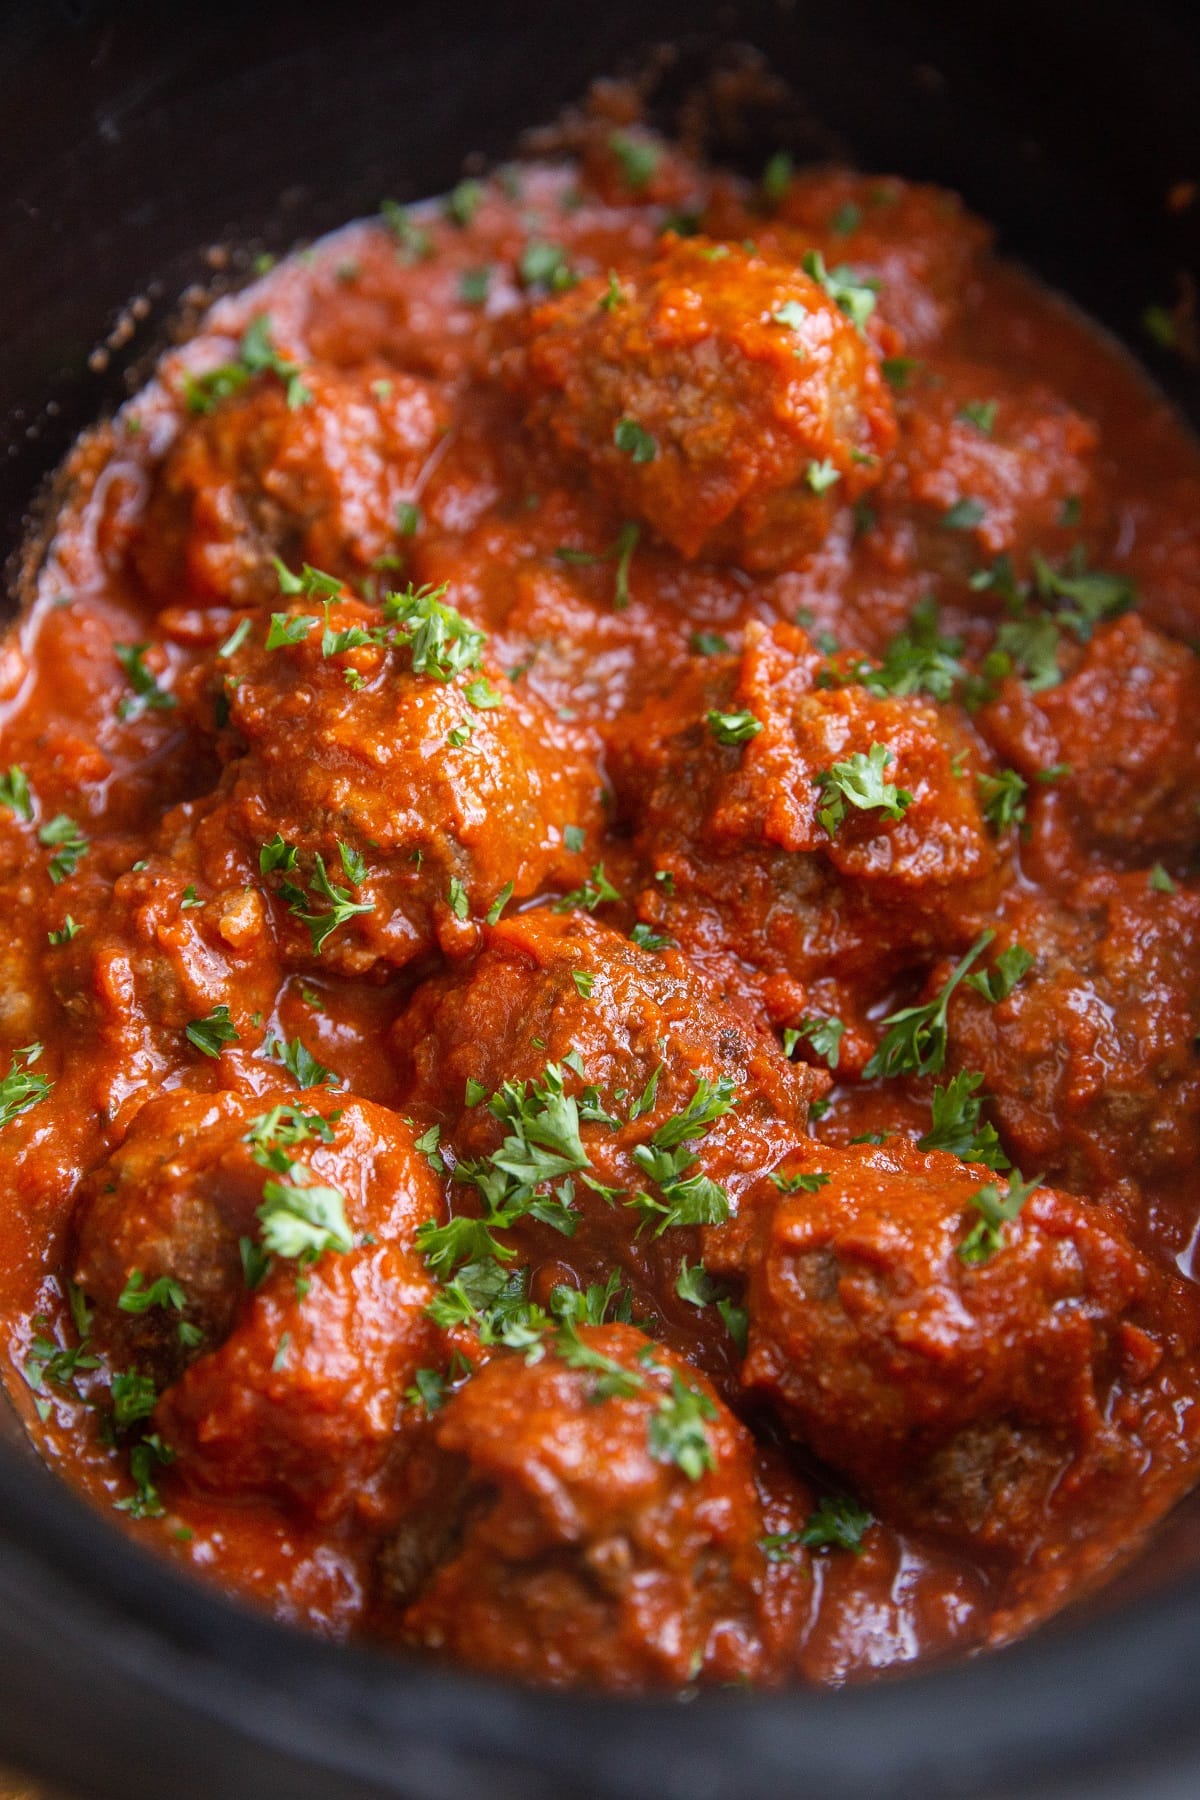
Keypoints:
pixel 823 597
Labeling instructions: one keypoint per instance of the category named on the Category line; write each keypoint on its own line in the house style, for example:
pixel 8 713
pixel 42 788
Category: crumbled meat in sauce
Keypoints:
pixel 598 825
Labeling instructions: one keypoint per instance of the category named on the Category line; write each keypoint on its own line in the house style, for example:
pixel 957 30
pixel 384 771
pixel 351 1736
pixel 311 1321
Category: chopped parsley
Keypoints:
pixel 733 728
pixel 545 265
pixel 300 1217
pixel 595 892
pixel 210 1033
pixel 301 1064
pixel 1160 881
pixel 15 794
pixel 850 295
pixel 441 641
pixel 66 931
pixel 584 981
pixel 69 843
pixel 1002 798
pixel 499 903
pixel 19 1089
pixel 463 202
pixel 777 177
pixel 708 643
pixel 646 938
pixel 956 1124
pixel 803 1181
pixel 687 1199
pixel 324 905
pixel 915 1040
pixel 257 355
pixel 639 159
pixel 979 413
pixel 134 1398
pixel 825 1035
pixel 147 695
pixel 919 661
pixel 964 515
pixel 791 315
pixel 137 1298
pixel 837 1523
pixel 633 441
pixel 998 982
pixel 676 1429
pixel 819 477
pixel 859 780
pixel 146 1457
pixel 986 1235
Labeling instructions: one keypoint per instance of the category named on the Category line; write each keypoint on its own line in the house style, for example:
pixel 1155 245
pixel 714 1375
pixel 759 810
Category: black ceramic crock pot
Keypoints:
pixel 133 139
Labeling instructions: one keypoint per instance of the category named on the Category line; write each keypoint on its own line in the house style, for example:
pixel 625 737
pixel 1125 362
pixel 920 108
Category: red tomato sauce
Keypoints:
pixel 598 844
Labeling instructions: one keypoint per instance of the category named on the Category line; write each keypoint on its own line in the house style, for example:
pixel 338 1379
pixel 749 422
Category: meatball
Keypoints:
pixel 1091 1059
pixel 721 396
pixel 1120 733
pixel 266 474
pixel 255 1256
pixel 674 1105
pixel 764 861
pixel 919 244
pixel 155 953
pixel 596 1518
pixel 392 790
pixel 956 1372
pixel 989 477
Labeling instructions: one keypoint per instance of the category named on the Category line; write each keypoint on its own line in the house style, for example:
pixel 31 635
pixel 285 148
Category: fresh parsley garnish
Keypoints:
pixel 69 843
pixel 147 695
pixel 986 1235
pixel 957 1126
pixel 733 728
pixel 915 1040
pixel 859 781
pixel 210 1033
pixel 20 1090
pixel 257 355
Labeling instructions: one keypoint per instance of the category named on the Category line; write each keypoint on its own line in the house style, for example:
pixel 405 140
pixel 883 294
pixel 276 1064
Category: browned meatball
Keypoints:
pixel 722 396
pixel 1120 732
pixel 255 1254
pixel 763 863
pixel 956 1373
pixel 967 484
pixel 261 475
pixel 1092 1057
pixel 605 1519
pixel 673 1104
pixel 392 791
pixel 156 952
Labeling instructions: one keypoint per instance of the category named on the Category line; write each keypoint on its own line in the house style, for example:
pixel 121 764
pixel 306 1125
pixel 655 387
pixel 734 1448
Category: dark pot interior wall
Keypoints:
pixel 132 137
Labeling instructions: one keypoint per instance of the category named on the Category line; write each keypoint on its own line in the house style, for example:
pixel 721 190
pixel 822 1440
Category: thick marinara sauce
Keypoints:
pixel 598 841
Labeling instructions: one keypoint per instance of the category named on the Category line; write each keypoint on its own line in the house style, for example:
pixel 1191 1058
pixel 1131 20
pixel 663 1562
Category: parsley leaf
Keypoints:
pixel 19 1090
pixel 733 728
pixel 986 1236
pixel 137 1298
pixel 14 792
pixel 211 1032
pixel 837 1523
pixel 594 892
pixel 301 1064
pixel 636 443
pixel 919 661
pixel 1002 798
pixel 998 982
pixel 147 696
pixel 859 780
pixel 957 1127
pixel 676 1431
pixel 915 1040
pixel 546 265
pixel 638 158
pixel 257 355
pixel 819 477
pixel 825 1035
pixel 69 844
pixel 302 1218
pixel 442 642
pixel 853 297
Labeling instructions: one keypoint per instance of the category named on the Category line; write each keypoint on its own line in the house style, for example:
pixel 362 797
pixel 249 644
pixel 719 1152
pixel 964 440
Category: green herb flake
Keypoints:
pixel 634 442
pixel 733 728
pixel 986 1235
pixel 70 845
pixel 15 794
pixel 147 695
pixel 979 413
pixel 964 515
pixel 209 1034
pixel 914 1042
pixel 639 159
pixel 859 781
pixel 956 1124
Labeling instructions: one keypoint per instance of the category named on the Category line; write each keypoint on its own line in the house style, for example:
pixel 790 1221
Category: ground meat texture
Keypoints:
pixel 702 394
pixel 755 876
pixel 585 1552
pixel 449 791
pixel 957 1395
pixel 318 480
pixel 1091 1059
pixel 1120 733
pixel 288 1389
pixel 645 1035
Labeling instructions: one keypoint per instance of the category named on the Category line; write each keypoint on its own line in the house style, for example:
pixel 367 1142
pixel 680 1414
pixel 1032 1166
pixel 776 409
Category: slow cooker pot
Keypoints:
pixel 147 149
